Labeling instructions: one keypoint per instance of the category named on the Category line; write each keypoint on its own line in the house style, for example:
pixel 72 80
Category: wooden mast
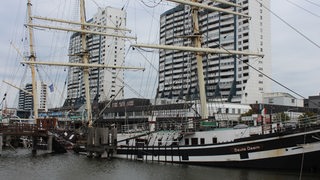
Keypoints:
pixel 32 58
pixel 84 52
pixel 85 57
pixel 197 40
pixel 197 49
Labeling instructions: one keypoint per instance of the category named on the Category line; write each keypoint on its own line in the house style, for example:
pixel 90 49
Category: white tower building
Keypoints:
pixel 104 83
pixel 26 100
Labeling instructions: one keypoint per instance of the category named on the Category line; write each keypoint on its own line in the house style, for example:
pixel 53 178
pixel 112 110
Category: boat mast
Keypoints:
pixel 84 52
pixel 197 40
pixel 85 61
pixel 32 58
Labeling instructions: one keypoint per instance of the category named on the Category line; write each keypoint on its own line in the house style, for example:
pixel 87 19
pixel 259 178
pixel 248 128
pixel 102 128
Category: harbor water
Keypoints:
pixel 22 165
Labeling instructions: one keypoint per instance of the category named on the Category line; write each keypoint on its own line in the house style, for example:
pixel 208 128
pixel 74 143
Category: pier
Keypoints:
pixel 101 141
pixel 35 136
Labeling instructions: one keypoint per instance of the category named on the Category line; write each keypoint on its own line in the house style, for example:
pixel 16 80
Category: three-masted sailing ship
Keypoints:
pixel 278 148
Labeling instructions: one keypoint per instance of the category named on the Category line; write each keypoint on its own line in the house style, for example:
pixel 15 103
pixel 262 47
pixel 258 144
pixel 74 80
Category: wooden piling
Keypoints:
pixel 1 143
pixel 34 145
pixel 102 141
pixel 49 143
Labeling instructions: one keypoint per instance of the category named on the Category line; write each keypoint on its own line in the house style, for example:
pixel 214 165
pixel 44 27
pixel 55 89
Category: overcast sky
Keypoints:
pixel 295 61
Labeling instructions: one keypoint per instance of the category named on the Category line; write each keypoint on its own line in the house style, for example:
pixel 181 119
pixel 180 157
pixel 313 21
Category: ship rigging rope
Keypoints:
pixel 313 3
pixel 285 22
pixel 269 77
pixel 12 68
pixel 147 88
pixel 302 157
pixel 297 5
pixel 151 6
pixel 140 49
pixel 277 82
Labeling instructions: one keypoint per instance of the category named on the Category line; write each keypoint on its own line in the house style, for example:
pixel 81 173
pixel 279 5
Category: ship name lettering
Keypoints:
pixel 253 148
pixel 247 148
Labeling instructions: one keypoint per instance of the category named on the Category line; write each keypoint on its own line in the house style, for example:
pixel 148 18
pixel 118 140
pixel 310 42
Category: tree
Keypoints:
pixel 282 117
pixel 248 113
pixel 305 117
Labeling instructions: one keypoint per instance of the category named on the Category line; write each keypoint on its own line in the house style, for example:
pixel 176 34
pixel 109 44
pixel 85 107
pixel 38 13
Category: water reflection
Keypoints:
pixel 69 166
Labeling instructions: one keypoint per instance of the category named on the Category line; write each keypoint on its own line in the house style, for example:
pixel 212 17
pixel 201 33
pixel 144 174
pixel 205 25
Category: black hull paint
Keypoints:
pixel 241 148
pixel 311 163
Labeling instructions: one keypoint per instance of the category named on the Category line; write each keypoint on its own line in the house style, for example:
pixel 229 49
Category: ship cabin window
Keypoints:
pixel 214 140
pixel 194 141
pixel 186 141
pixel 202 141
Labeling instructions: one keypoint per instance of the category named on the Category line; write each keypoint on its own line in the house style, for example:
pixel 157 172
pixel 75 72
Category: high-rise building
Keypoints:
pixel 104 83
pixel 227 77
pixel 43 97
pixel 26 100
